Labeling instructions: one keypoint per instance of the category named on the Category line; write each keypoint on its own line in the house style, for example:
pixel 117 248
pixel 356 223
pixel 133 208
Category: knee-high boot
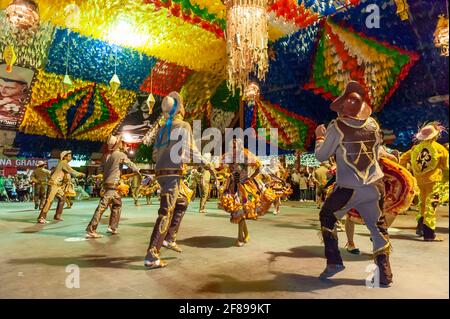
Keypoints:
pixel 384 267
pixel 419 228
pixel 59 208
pixel 331 247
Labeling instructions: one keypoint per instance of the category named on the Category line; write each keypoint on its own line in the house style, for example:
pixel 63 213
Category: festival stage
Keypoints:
pixel 282 260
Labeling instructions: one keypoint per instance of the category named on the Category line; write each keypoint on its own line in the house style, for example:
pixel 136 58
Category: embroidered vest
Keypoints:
pixel 360 145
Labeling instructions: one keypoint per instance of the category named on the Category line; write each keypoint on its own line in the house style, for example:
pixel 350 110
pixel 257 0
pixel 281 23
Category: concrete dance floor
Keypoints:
pixel 282 260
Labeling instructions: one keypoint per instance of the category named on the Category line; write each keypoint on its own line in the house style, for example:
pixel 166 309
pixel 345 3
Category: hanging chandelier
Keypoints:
pixel 23 14
pixel 246 36
pixel 441 35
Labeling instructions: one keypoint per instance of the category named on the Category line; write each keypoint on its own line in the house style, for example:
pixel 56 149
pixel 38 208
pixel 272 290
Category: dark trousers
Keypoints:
pixel 312 193
pixel 303 194
pixel 295 192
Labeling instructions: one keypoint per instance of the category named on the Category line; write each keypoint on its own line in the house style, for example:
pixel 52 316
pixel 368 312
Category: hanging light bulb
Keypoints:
pixel 23 14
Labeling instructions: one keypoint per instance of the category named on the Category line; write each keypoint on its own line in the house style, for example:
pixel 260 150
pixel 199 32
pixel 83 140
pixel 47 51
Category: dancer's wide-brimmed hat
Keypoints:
pixel 40 163
pixel 64 154
pixel 429 131
pixel 114 142
pixel 360 111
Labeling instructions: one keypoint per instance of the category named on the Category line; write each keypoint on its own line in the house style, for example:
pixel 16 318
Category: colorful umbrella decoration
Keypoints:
pixel 343 55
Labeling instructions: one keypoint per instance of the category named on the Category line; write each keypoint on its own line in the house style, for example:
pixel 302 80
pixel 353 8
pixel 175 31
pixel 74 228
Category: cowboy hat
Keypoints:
pixel 113 142
pixel 361 111
pixel 429 132
pixel 169 101
pixel 40 163
pixel 64 154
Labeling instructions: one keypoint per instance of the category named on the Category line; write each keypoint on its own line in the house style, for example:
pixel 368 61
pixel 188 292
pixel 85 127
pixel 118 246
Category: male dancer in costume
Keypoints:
pixel 169 158
pixel 429 163
pixel 354 138
pixel 111 167
pixel 39 177
pixel 195 178
pixel 135 185
pixel 56 187
pixel 205 185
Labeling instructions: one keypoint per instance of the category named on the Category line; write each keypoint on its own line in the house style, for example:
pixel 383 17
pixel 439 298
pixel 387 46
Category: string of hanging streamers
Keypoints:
pixel 247 37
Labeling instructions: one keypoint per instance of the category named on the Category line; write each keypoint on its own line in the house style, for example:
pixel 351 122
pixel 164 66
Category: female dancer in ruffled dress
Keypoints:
pixel 242 196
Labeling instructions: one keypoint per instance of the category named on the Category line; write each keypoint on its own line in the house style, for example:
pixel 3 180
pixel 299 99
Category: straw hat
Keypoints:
pixel 429 132
pixel 169 101
pixel 40 163
pixel 64 154
pixel 358 111
pixel 114 142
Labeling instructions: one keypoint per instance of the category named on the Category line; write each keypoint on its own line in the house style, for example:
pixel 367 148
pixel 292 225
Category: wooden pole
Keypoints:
pixel 241 114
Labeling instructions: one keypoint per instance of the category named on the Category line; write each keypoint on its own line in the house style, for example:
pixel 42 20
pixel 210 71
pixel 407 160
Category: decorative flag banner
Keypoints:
pixel 328 7
pixel 294 13
pixel 193 14
pixel 96 61
pixel 224 99
pixel 224 107
pixel 88 111
pixel 294 131
pixel 343 55
pixel 136 25
pixel 30 51
pixel 279 27
pixel 221 119
pixel 165 77
pixel 197 91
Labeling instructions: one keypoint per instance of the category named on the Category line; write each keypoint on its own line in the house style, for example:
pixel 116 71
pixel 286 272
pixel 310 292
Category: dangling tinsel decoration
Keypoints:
pixel 247 38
